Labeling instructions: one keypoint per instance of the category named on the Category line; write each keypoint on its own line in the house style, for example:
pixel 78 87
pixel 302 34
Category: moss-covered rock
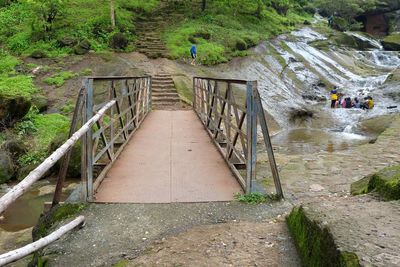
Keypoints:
pixel 392 42
pixel 315 242
pixel 14 147
pixel 82 47
pixel 13 109
pixel 40 102
pixel 385 182
pixel 119 41
pixel 6 167
pixel 38 54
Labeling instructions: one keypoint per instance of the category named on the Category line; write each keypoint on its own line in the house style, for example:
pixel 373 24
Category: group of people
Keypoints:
pixel 338 100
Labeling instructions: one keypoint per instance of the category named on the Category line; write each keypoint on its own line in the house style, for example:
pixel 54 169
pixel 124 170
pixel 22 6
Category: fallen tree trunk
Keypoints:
pixel 41 243
pixel 37 173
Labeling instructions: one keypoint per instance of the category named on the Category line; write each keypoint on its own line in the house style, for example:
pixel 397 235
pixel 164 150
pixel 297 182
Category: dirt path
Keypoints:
pixel 126 231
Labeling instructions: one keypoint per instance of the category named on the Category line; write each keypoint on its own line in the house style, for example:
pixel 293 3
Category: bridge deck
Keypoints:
pixel 169 159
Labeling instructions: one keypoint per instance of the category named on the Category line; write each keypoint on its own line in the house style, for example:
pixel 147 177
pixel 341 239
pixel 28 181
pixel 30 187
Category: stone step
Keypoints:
pixel 166 77
pixel 165 99
pixel 165 94
pixel 158 85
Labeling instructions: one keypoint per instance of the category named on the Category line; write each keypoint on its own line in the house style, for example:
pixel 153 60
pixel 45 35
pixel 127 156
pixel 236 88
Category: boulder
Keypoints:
pixel 15 148
pixel 13 109
pixel 67 42
pixel 392 42
pixel 38 54
pixel 40 102
pixel 119 41
pixel 7 168
pixel 83 47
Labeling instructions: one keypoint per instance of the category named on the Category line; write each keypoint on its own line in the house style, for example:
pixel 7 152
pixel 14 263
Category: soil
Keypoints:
pixel 140 231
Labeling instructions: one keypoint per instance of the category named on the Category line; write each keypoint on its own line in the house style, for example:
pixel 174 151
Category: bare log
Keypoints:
pixel 37 173
pixel 41 243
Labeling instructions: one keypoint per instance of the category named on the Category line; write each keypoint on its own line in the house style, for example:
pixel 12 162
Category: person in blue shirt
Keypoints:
pixel 193 53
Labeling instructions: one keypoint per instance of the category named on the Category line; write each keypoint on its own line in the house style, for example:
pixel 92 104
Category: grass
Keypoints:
pixel 22 31
pixel 59 79
pixel 252 198
pixel 219 37
pixel 39 130
pixel 17 86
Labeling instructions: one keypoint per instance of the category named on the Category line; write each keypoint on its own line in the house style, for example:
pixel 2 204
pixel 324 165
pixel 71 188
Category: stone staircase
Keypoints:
pixel 150 27
pixel 164 94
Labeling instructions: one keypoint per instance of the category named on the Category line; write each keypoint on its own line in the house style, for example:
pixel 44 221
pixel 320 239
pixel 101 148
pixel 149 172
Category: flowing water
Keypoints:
pixel 306 71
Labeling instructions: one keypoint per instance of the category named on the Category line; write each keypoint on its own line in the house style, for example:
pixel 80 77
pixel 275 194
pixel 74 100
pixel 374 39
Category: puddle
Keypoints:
pixel 300 141
pixel 25 211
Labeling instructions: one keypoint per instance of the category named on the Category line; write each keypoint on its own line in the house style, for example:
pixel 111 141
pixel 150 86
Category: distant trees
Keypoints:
pixel 46 11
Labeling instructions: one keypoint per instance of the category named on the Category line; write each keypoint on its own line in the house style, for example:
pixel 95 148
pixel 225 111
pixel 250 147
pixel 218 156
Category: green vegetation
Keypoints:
pixel 121 263
pixel 53 28
pixel 345 11
pixel 60 78
pixel 386 183
pixel 224 31
pixel 253 198
pixel 392 42
pixel 315 242
pixel 39 131
pixel 11 84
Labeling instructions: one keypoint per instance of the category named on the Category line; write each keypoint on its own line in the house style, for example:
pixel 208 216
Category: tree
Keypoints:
pixel 112 13
pixel 204 5
pixel 47 11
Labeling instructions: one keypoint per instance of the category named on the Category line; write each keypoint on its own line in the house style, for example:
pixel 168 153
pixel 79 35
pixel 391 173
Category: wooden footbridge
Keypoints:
pixel 133 154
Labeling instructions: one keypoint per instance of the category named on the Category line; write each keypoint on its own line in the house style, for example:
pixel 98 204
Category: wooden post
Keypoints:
pixel 268 144
pixel 112 13
pixel 89 139
pixel 65 162
pixel 41 243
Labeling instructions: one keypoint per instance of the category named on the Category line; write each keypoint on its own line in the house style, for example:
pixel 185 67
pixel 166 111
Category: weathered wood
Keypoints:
pixel 49 162
pixel 65 161
pixel 41 243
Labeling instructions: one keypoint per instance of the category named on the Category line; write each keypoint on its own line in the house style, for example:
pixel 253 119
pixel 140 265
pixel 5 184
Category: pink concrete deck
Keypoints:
pixel 169 159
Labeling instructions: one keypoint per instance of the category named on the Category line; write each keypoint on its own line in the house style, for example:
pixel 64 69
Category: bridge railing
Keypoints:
pixel 105 142
pixel 109 110
pixel 231 111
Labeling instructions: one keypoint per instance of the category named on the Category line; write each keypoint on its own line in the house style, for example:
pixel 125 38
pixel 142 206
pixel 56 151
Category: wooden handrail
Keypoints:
pixel 41 243
pixel 49 162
